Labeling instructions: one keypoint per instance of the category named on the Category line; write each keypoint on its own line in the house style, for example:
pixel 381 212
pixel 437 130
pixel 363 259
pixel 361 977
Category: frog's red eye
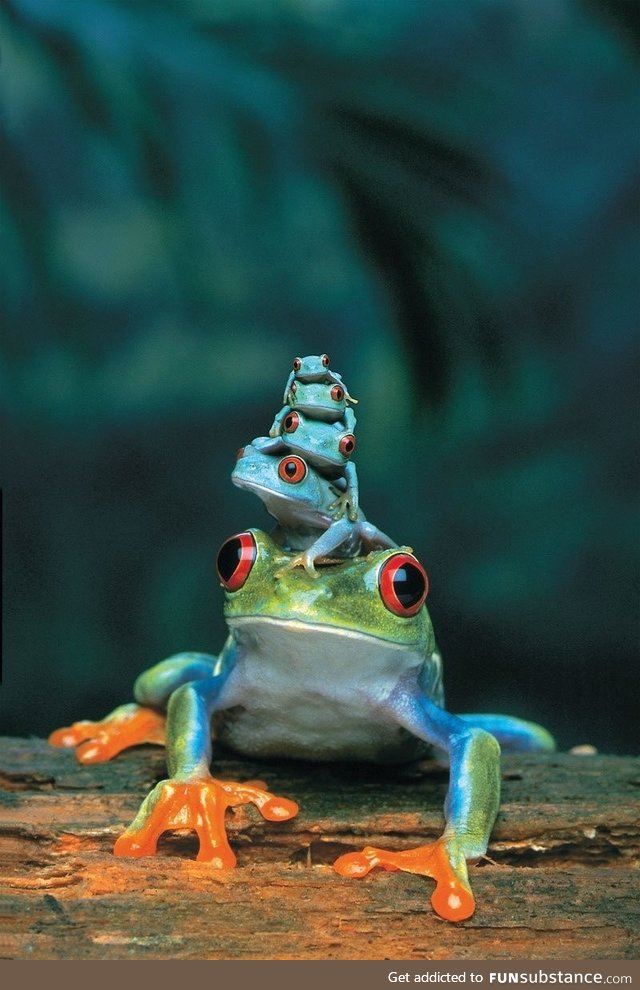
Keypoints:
pixel 337 393
pixel 239 453
pixel 297 364
pixel 236 557
pixel 325 360
pixel 403 584
pixel 291 422
pixel 292 469
pixel 347 445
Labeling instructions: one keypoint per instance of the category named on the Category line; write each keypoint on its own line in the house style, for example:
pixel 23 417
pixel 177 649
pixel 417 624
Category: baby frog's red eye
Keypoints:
pixel 292 469
pixel 347 445
pixel 297 364
pixel 325 360
pixel 236 557
pixel 291 423
pixel 337 393
pixel 403 584
pixel 239 453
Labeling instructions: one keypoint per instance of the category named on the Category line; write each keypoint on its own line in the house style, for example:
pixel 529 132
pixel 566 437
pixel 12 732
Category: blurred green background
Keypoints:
pixel 443 197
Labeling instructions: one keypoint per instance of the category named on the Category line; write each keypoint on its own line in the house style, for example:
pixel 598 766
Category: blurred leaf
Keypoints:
pixel 444 198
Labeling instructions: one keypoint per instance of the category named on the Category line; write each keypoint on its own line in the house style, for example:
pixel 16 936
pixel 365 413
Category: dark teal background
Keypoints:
pixel 443 197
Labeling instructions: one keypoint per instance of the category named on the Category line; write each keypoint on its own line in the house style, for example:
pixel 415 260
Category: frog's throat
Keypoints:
pixel 252 623
pixel 288 510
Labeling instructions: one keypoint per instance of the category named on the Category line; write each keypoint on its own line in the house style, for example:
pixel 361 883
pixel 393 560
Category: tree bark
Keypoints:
pixel 560 880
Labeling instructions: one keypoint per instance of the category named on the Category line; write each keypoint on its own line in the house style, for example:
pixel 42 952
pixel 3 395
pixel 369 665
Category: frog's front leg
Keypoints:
pixel 343 534
pixel 350 418
pixel 191 798
pixel 290 380
pixel 134 724
pixel 351 498
pixel 470 808
pixel 276 427
pixel 338 533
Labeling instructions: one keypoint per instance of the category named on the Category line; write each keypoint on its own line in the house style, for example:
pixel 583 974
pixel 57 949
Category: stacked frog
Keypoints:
pixel 303 470
pixel 338 666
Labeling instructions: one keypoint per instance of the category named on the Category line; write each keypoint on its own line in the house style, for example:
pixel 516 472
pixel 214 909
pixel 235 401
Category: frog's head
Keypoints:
pixel 311 368
pixel 321 441
pixel 381 595
pixel 314 368
pixel 320 400
pixel 292 492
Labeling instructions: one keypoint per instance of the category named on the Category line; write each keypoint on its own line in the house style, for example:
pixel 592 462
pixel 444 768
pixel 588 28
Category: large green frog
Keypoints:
pixel 344 667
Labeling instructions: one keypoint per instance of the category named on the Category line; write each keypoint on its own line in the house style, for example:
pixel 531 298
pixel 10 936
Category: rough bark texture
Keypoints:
pixel 562 881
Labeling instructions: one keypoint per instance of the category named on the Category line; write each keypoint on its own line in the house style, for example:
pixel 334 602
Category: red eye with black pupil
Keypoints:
pixel 291 423
pixel 337 393
pixel 325 360
pixel 235 559
pixel 347 445
pixel 292 469
pixel 297 364
pixel 403 584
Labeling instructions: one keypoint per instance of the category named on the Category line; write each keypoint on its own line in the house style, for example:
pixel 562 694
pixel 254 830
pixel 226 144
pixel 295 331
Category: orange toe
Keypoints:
pixel 355 865
pixel 71 735
pixel 453 900
pixel 97 742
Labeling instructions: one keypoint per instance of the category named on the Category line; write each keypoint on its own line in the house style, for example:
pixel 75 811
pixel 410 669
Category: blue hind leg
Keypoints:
pixel 514 734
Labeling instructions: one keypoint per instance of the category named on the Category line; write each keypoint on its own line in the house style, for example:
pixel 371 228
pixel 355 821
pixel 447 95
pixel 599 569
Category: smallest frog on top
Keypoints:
pixel 317 392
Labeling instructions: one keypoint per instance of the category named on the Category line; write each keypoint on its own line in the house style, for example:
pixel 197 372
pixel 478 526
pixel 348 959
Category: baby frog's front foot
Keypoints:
pixel 345 504
pixel 97 742
pixel 199 805
pixel 452 899
pixel 340 506
pixel 306 560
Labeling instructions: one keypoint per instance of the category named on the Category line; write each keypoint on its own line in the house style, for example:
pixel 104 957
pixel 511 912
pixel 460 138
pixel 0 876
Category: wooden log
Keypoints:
pixel 560 880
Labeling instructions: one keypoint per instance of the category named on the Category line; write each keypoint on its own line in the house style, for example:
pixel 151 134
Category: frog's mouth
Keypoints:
pixel 251 628
pixel 316 409
pixel 289 510
pixel 326 660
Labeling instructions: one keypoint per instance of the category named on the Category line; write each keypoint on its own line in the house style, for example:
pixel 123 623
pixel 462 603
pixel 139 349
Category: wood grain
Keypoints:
pixel 561 880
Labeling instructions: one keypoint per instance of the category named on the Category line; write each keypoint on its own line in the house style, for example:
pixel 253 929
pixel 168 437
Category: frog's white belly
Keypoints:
pixel 312 692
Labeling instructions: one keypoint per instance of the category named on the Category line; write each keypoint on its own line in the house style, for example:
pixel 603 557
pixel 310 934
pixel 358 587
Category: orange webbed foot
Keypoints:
pixel 452 899
pixel 198 805
pixel 97 742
